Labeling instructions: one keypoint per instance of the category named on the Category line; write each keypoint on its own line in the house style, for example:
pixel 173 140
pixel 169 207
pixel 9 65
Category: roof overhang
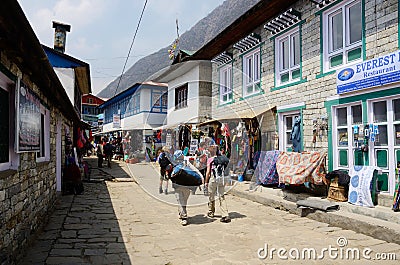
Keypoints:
pixel 21 46
pixel 256 16
pixel 174 71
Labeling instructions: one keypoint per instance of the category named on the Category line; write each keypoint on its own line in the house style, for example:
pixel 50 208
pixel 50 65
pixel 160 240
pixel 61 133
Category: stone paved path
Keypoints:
pixel 121 223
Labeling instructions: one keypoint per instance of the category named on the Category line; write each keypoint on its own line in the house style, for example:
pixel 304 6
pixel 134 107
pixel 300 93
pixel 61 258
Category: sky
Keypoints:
pixel 102 30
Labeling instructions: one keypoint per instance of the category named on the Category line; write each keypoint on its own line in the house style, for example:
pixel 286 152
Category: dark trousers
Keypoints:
pixel 100 161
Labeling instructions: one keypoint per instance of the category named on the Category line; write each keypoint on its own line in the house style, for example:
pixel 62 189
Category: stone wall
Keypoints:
pixel 381 27
pixel 27 194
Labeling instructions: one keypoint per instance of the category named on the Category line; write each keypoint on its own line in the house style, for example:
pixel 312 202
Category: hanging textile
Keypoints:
pixel 265 172
pixel 360 185
pixel 299 168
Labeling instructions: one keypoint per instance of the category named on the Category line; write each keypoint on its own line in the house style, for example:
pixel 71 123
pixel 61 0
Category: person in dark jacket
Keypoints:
pixel 72 177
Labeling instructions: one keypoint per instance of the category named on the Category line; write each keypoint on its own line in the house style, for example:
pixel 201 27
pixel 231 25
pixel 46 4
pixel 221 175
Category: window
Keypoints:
pixel 44 153
pixel 225 84
pixel 159 101
pixel 8 158
pixel 90 100
pixel 287 57
pixel 251 72
pixel 342 34
pixel 286 123
pixel 385 145
pixel 132 105
pixel 181 96
pixel 348 136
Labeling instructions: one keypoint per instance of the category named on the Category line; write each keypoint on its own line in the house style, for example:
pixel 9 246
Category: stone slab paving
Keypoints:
pixel 124 223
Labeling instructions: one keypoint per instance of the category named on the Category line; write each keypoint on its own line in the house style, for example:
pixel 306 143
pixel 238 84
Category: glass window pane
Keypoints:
pixel 288 141
pixel 381 139
pixel 383 182
pixel 285 78
pixel 356 114
pixel 342 137
pixel 289 123
pixel 380 111
pixel 256 66
pixel 342 116
pixel 397 134
pixel 355 23
pixel 336 36
pixel 249 70
pixel 296 49
pixel 285 54
pixel 354 55
pixel 336 60
pixel 396 109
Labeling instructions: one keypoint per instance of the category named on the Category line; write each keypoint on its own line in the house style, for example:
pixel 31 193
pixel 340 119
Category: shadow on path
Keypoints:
pixel 83 229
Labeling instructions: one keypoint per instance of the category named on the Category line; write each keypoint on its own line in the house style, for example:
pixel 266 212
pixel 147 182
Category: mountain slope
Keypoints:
pixel 202 32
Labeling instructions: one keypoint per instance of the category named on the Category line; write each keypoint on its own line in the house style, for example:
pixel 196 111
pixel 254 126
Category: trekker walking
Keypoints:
pixel 165 169
pixel 100 154
pixel 214 182
pixel 108 152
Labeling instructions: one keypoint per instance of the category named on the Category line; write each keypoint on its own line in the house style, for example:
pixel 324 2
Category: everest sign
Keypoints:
pixel 376 72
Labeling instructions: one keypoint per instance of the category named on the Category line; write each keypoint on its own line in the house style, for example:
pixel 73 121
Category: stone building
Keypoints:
pixel 331 64
pixel 35 120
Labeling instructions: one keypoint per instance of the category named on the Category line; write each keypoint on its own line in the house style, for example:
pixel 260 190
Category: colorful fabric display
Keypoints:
pixel 298 168
pixel 360 185
pixel 265 172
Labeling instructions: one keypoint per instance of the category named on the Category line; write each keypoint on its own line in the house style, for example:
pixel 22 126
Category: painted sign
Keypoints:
pixel 28 120
pixel 116 121
pixel 375 72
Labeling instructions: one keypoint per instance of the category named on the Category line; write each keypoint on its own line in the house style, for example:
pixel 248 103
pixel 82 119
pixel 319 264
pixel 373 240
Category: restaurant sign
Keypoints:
pixel 28 120
pixel 372 73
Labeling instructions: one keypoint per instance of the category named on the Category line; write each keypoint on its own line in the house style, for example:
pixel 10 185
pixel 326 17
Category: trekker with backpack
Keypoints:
pixel 215 183
pixel 165 169
pixel 108 152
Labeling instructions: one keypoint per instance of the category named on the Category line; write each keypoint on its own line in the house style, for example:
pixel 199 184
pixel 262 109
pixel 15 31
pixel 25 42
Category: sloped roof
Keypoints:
pixel 19 42
pixel 82 69
pixel 260 13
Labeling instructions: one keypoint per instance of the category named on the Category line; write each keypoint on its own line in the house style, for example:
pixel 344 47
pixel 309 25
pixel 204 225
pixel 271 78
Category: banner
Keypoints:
pixel 375 72
pixel 28 120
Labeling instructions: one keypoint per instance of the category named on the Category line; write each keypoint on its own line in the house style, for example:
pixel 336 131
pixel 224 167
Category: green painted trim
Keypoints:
pixel 226 103
pixel 291 109
pixel 301 81
pixel 254 94
pixel 325 74
pixel 361 98
pixel 8 73
pixel 321 48
pixel 301 60
pixel 299 24
pixel 242 55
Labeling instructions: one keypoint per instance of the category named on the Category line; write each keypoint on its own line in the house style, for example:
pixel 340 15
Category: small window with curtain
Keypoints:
pixel 225 84
pixel 181 96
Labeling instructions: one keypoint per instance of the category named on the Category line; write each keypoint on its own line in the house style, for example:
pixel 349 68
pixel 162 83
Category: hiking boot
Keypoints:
pixel 160 190
pixel 184 222
pixel 165 191
pixel 210 214
pixel 225 219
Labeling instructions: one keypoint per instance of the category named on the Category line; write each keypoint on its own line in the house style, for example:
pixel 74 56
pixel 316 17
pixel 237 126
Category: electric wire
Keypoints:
pixel 130 49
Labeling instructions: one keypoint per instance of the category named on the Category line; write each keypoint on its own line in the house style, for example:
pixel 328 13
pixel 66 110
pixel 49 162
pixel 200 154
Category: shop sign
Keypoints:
pixel 193 146
pixel 375 72
pixel 28 120
pixel 168 140
pixel 116 121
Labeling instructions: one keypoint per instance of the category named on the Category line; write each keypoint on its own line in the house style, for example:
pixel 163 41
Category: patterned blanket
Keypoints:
pixel 265 172
pixel 298 168
pixel 360 185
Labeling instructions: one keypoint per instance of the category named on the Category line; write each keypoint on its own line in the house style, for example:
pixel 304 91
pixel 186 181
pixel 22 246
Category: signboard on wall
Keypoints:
pixel 28 120
pixel 116 121
pixel 372 73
